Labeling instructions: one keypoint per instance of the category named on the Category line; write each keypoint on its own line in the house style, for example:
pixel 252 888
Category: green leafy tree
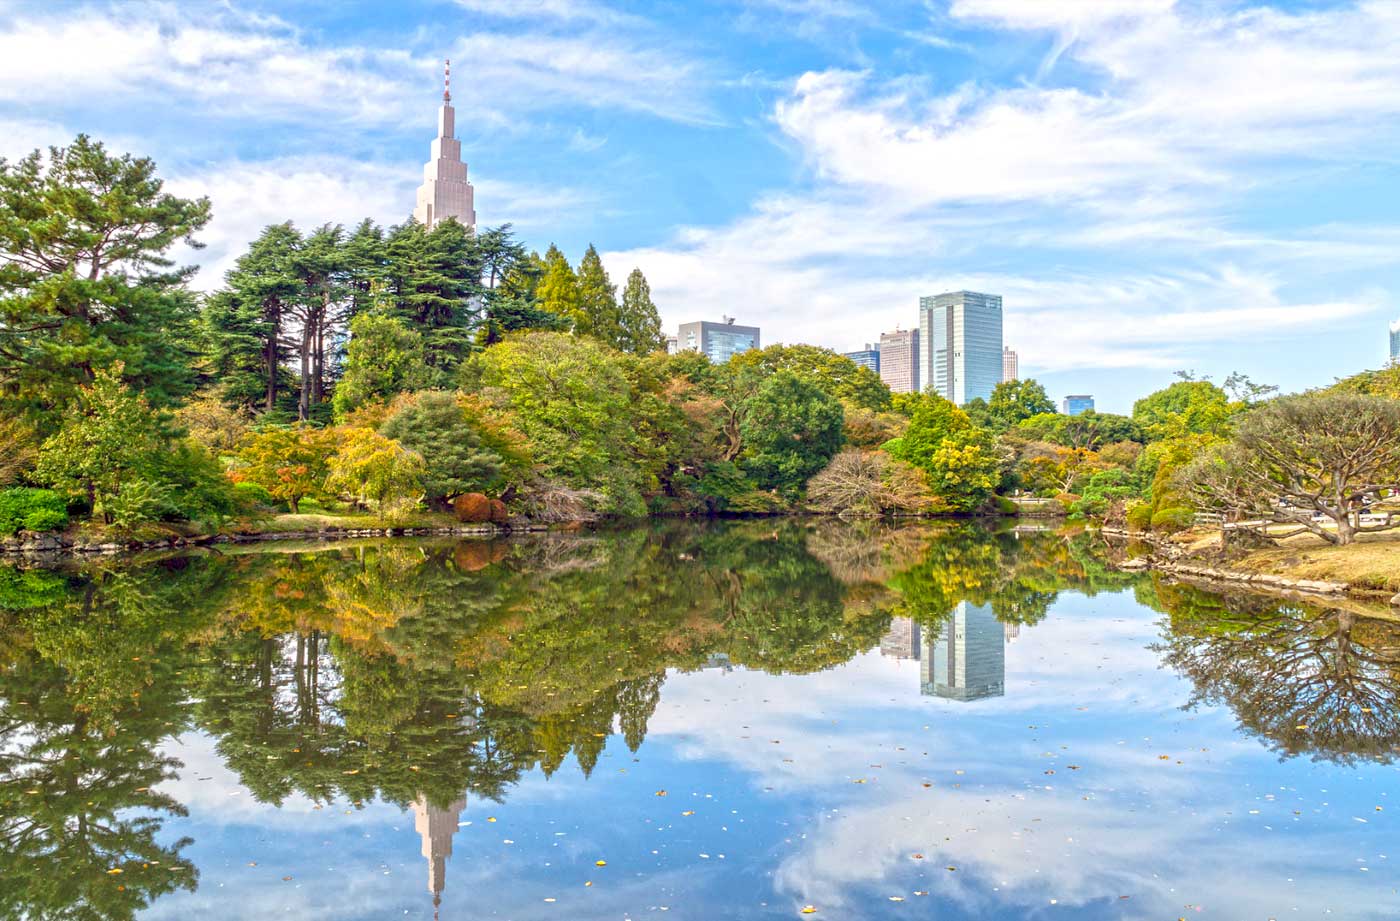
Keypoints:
pixel 791 430
pixel 830 372
pixel 375 471
pixel 384 358
pixel 463 448
pixel 1013 401
pixel 109 442
pixel 1188 407
pixel 598 314
pixel 85 282
pixel 960 460
pixel 433 282
pixel 558 288
pixel 639 323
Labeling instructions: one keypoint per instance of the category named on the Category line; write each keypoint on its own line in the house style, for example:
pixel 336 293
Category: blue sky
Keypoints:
pixel 1151 185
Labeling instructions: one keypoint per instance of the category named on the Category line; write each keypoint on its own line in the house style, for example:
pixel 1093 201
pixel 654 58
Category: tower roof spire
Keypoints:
pixel 447 80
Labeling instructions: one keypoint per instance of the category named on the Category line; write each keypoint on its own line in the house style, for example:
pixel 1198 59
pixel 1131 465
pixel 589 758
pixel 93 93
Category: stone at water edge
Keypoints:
pixel 1395 602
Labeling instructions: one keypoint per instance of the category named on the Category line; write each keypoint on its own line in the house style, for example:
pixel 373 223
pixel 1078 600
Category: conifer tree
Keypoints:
pixel 639 323
pixel 558 286
pixel 598 312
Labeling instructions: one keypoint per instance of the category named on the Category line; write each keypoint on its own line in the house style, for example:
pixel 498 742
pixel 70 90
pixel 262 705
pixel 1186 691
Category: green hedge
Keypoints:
pixel 1169 520
pixel 32 510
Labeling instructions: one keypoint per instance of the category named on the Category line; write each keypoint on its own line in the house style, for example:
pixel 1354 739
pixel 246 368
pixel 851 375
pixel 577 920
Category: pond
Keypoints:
pixel 771 719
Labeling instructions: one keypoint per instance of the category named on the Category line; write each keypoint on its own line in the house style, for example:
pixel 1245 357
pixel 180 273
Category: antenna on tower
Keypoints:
pixel 447 80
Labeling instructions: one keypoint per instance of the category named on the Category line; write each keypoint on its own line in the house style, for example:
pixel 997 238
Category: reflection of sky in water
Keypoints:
pixel 1082 791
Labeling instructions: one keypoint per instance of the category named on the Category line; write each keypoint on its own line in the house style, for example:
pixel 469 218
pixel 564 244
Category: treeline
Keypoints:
pixel 403 370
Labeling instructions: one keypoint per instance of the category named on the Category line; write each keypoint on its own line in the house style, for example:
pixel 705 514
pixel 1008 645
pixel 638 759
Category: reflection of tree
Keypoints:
pixel 86 699
pixel 1314 681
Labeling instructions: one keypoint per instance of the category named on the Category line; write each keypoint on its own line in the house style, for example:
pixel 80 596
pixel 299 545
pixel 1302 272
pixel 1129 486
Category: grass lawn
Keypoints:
pixel 320 521
pixel 1372 562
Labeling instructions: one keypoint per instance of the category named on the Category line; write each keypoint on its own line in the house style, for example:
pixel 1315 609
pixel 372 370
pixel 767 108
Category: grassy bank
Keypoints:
pixel 1372 564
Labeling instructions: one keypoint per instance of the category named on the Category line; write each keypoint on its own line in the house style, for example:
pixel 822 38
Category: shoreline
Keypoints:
pixel 1177 562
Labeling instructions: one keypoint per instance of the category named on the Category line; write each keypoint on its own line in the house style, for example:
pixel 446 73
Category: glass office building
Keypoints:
pixel 899 360
pixel 868 357
pixel 960 345
pixel 1077 403
pixel 966 658
pixel 720 341
pixel 1395 341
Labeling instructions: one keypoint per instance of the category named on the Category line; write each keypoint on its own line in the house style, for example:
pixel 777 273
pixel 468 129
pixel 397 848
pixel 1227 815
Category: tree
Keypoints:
pixel 1195 407
pixel 462 448
pixel 242 325
pixel 85 282
pixel 108 443
pixel 511 280
pixel 639 325
pixel 376 471
pixel 558 288
pixel 319 266
pixel 830 372
pixel 384 358
pixel 959 459
pixel 597 314
pixel 869 483
pixel 575 402
pixel 434 287
pixel 1297 457
pixel 791 430
pixel 1013 401
pixel 290 462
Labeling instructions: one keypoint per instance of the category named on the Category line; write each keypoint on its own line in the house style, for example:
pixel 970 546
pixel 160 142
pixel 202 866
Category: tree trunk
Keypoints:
pixel 304 400
pixel 270 358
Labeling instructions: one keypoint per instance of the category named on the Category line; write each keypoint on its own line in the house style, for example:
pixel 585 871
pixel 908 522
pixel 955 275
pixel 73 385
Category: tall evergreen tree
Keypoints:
pixel 598 314
pixel 242 324
pixel 434 281
pixel 319 267
pixel 558 287
pixel 511 279
pixel 639 325
pixel 85 281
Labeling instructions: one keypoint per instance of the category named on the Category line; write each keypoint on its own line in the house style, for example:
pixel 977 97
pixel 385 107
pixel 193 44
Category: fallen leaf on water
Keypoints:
pixel 285 878
pixel 809 909
pixel 355 771
pixel 600 863
pixel 896 898
pixel 660 792
pixel 692 811
pixel 114 871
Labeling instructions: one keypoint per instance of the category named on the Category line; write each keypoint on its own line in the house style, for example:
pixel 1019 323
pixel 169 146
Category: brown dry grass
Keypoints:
pixel 1373 562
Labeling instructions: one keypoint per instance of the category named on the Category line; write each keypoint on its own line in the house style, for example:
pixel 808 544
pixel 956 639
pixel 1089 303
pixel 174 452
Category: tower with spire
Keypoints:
pixel 445 191
pixel 436 826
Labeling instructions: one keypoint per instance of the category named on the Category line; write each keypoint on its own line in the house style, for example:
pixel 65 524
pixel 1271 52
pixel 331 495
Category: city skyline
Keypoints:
pixel 798 159
pixel 960 345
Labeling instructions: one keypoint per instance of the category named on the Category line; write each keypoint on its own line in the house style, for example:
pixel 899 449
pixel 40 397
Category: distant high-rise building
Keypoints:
pixel 1077 403
pixel 967 659
pixel 720 341
pixel 1010 365
pixel 868 357
pixel 899 360
pixel 673 345
pixel 1395 341
pixel 902 639
pixel 960 351
pixel 445 191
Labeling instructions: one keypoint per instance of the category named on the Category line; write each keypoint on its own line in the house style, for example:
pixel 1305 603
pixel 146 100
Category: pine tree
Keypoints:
pixel 85 282
pixel 319 267
pixel 638 321
pixel 598 312
pixel 434 282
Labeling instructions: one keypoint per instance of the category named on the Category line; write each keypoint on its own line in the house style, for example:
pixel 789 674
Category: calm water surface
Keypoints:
pixel 728 721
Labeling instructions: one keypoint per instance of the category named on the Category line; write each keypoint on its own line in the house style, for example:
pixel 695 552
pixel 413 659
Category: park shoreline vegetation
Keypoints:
pixel 444 377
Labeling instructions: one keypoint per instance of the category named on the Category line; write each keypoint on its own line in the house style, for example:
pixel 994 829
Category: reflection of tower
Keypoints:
pixel 967 660
pixel 902 640
pixel 436 826
pixel 1013 632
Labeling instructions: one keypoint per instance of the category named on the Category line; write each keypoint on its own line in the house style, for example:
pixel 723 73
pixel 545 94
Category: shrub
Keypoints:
pixel 1173 519
pixel 868 483
pixel 248 492
pixel 472 507
pixel 463 449
pixel 1006 507
pixel 1140 517
pixel 31 510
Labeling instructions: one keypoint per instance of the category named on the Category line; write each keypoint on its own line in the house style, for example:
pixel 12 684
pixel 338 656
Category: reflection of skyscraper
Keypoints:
pixel 436 826
pixel 967 659
pixel 902 640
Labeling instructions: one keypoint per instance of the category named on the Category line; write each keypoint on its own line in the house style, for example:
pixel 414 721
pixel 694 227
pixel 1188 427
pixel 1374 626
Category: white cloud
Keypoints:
pixel 234 64
pixel 1113 194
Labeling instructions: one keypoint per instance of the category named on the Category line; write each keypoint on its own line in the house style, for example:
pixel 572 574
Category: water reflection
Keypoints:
pixel 434 676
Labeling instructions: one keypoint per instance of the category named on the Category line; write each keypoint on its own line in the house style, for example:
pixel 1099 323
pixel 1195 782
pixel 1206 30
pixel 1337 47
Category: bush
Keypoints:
pixel 31 510
pixel 1140 517
pixel 1006 507
pixel 253 493
pixel 1173 519
pixel 472 507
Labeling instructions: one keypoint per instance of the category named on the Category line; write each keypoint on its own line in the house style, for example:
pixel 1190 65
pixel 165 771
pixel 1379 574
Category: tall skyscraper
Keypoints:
pixel 720 341
pixel 868 357
pixel 1077 403
pixel 436 826
pixel 902 639
pixel 1010 365
pixel 960 352
pixel 967 658
pixel 445 191
pixel 899 360
pixel 1395 341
